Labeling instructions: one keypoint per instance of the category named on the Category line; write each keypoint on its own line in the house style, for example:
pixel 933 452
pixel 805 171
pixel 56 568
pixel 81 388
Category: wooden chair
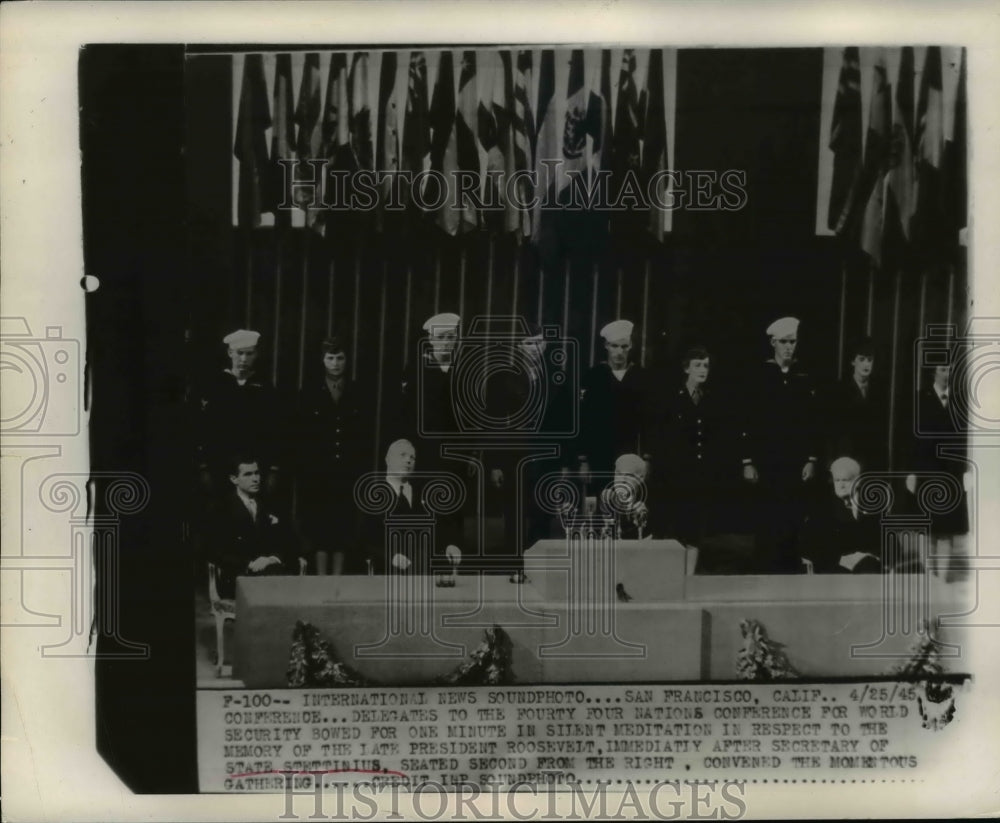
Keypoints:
pixel 224 609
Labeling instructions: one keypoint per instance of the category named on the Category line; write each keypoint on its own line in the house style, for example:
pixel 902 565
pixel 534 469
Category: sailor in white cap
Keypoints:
pixel 615 397
pixel 442 332
pixel 781 443
pixel 239 408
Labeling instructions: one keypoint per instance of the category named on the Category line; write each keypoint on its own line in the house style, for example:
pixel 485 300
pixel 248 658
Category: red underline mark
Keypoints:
pixel 321 771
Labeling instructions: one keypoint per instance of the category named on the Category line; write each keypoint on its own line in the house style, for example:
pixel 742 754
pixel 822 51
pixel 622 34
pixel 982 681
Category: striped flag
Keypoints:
pixel 337 144
pixel 575 127
pixel 444 150
pixel 250 147
pixel 523 125
pixel 282 142
pixel 900 182
pixel 309 143
pixel 845 136
pixel 467 141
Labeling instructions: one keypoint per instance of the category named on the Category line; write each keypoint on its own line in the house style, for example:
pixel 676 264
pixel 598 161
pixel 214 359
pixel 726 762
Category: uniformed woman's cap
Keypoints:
pixel 617 330
pixel 241 339
pixel 442 322
pixel 333 345
pixel 783 327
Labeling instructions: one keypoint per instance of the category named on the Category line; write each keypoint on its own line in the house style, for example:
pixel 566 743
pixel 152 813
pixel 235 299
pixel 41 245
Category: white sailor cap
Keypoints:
pixel 446 321
pixel 241 339
pixel 783 327
pixel 617 330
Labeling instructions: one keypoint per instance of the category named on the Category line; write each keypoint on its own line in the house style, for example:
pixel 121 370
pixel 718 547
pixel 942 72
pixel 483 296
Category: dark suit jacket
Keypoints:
pixel 613 414
pixel 938 425
pixel 781 430
pixel 831 531
pixel 413 520
pixel 235 539
pixel 857 425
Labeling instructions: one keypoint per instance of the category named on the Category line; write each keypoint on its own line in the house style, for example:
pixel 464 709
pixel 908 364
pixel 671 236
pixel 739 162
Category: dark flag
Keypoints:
pixel 845 136
pixel 956 182
pixel 250 147
pixel 416 153
pixel 654 144
pixel 337 147
pixel 309 144
pixel 444 152
pixel 928 228
pixel 503 116
pixel 387 152
pixel 282 142
pixel 361 113
pixel 548 149
pixel 626 160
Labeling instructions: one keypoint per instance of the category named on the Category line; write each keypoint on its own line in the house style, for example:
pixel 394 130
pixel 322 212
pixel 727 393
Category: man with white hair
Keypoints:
pixel 780 446
pixel 627 498
pixel 408 492
pixel 839 536
pixel 614 403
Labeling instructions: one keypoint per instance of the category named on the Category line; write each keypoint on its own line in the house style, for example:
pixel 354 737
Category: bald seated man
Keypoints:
pixel 407 511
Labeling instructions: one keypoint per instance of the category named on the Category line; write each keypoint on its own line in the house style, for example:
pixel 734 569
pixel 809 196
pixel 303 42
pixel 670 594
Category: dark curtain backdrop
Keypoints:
pixel 719 278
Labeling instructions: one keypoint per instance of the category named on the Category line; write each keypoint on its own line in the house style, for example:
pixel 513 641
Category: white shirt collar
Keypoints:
pixel 396 482
pixel 247 500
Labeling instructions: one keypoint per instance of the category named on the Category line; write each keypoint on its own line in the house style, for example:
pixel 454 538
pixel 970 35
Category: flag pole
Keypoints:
pixel 303 315
pixel 950 316
pixel 618 302
pixel 330 279
pixel 357 313
pixel 565 311
pixel 843 314
pixel 406 316
pixel 921 319
pixel 381 361
pixel 461 282
pixel 645 311
pixel 894 366
pixel 517 278
pixel 489 279
pixel 437 282
pixel 279 250
pixel 248 311
pixel 593 311
pixel 870 315
pixel 541 292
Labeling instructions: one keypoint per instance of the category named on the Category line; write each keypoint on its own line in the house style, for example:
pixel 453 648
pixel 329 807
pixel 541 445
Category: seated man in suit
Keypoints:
pixel 838 536
pixel 408 517
pixel 246 537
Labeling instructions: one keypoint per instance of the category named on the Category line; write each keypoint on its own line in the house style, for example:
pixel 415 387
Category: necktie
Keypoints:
pixel 696 396
pixel 944 398
pixel 252 507
pixel 405 492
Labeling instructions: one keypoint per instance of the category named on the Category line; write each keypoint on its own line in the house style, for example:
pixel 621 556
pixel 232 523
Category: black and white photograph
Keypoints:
pixel 524 418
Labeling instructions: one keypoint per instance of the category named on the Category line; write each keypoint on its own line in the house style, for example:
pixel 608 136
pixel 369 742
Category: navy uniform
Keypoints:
pixel 240 411
pixel 780 448
pixel 695 442
pixel 614 403
pixel 534 407
pixel 335 439
pixel 858 414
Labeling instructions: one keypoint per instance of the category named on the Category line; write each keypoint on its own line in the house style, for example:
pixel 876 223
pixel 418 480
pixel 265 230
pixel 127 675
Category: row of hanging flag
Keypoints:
pixel 521 127
pixel 893 175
